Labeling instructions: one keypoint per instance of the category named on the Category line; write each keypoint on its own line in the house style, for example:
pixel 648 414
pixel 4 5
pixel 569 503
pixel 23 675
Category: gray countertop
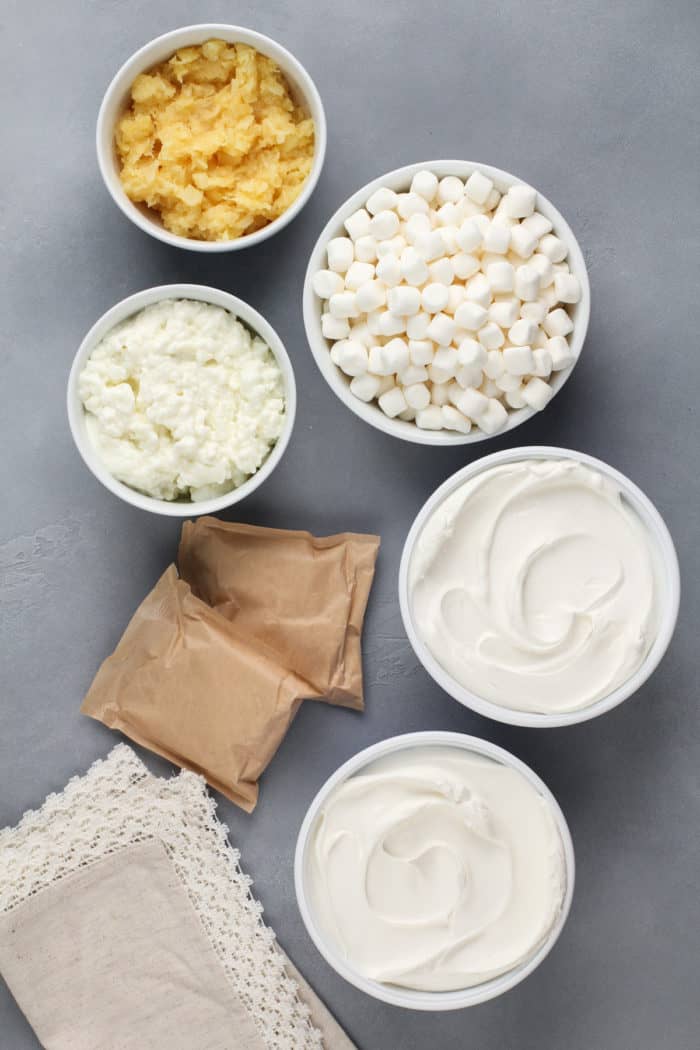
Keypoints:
pixel 595 103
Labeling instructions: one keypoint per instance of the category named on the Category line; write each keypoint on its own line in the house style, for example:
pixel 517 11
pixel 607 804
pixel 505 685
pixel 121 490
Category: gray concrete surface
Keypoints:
pixel 597 104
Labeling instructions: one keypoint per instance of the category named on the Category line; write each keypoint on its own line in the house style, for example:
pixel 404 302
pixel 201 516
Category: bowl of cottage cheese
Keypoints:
pixel 434 871
pixel 181 400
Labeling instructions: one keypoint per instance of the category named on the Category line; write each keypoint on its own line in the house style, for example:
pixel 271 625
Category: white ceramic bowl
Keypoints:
pixel 406 997
pixel 116 98
pixel 127 308
pixel 399 181
pixel 668 583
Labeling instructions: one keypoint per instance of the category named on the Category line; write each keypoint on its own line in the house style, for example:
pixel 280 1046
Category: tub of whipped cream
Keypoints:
pixel 434 870
pixel 539 586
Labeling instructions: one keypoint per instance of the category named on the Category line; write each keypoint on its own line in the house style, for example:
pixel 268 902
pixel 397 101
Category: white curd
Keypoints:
pixel 436 869
pixel 182 401
pixel 533 586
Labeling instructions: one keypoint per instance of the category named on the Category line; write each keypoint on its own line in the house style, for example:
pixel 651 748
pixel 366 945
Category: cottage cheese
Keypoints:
pixel 183 402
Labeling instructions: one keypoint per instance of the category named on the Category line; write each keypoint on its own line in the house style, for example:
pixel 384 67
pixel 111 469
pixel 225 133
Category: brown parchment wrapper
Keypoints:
pixel 213 666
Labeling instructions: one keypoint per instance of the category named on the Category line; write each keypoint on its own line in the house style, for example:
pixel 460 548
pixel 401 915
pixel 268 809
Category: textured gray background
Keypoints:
pixel 596 103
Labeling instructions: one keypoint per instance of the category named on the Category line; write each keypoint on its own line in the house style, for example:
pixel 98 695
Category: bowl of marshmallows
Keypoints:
pixel 446 302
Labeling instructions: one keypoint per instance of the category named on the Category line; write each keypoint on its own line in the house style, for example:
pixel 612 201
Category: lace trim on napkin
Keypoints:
pixel 118 803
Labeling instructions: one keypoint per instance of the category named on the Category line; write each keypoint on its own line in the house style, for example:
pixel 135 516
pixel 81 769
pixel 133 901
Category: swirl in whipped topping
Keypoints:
pixel 533 586
pixel 436 869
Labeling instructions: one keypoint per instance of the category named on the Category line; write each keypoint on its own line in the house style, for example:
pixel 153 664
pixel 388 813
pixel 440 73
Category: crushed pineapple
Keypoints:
pixel 213 141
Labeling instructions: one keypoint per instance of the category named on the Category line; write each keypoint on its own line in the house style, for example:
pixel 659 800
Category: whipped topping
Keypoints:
pixel 436 869
pixel 533 586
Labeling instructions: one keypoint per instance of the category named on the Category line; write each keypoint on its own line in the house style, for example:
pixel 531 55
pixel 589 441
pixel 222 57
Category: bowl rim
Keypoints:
pixel 143 59
pixel 668 615
pixel 405 997
pixel 320 347
pixel 126 308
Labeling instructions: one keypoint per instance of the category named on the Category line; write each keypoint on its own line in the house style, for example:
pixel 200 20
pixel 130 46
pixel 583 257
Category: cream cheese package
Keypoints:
pixel 436 869
pixel 533 585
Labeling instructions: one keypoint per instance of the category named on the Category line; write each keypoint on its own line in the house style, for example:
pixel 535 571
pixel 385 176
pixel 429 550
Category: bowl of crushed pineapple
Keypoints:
pixel 211 137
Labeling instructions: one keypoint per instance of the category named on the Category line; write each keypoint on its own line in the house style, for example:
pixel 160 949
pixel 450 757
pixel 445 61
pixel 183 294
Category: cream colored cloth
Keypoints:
pixel 114 957
pixel 128 849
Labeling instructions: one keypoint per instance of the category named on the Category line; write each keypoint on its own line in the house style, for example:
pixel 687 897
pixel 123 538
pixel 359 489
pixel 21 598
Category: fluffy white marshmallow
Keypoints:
pixel 421 351
pixel 382 199
pixel 384 224
pixel 351 356
pixel 453 419
pixel 478 187
pixel 560 352
pixel 520 201
pixel 557 322
pixel 494 418
pixel 497 239
pixel 430 245
pixel 441 329
pixel 366 249
pixel 404 301
pixel 391 324
pixel 425 184
pixel 451 189
pixel 370 296
pixel 504 312
pixel 340 253
pixel 417 395
pixel 471 403
pixel 358 274
pixel 429 418
pixel 491 336
pixel 537 394
pixel 469 236
pixel 471 315
pixel 553 247
pixel 389 271
pixel 567 287
pixel 501 276
pixel 326 283
pixel 334 327
pixel 522 241
pixel 518 360
pixel 527 282
pixel 344 304
pixel 478 290
pixel 414 268
pixel 357 224
pixel 522 332
pixel 412 204
pixel 393 402
pixel 441 271
pixel 543 363
pixel 465 265
pixel 365 386
pixel 396 354
pixel 434 297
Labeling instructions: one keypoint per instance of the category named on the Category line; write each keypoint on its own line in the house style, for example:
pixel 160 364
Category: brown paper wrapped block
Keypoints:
pixel 212 668
pixel 303 596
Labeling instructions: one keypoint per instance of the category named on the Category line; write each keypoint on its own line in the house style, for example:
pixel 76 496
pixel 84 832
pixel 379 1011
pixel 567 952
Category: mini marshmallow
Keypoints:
pixel 544 267
pixel 471 403
pixel 488 388
pixel 506 382
pixel 479 290
pixel 491 336
pixel 540 340
pixel 448 215
pixel 411 204
pixel 497 239
pixel 360 332
pixel 429 418
pixel 382 199
pixel 504 312
pixel 384 224
pixel 494 367
pixel 520 201
pixel 483 222
pixel 557 322
pixel 452 419
pixel 392 403
pixel 543 363
pixel 326 283
pixel 389 271
pixel 469 376
pixel 396 354
pixel 379 365
pixel 370 296
pixel 357 224
pixel 365 386
pixel 440 375
pixel 560 353
pixel 351 356
pixel 358 274
pixel 441 272
pixel 340 254
pixel 469 236
pixel 536 312
pixel 493 200
pixel 440 393
pixel 494 418
pixel 522 241
pixel 471 354
pixel 392 246
pixel 391 324
pixel 566 286
pixel 465 265
pixel 425 184
pixel 430 245
pixel 385 383
pixel 471 315
pixel 334 327
pixel 449 236
pixel 416 225
pixel 344 304
pixel 553 248
pixel 450 189
pixel 548 296
pixel 434 297
pixel 417 395
pixel 527 282
pixel 441 329
pixel 404 301
pixel 414 268
pixel 408 416
pixel 560 267
pixel 514 398
pixel 522 332
pixel 417 326
pixel 373 326
pixel 501 276
pixel 421 351
pixel 537 224
pixel 502 217
pixel 366 249
pixel 518 360
pixel 412 374
pixel 455 297
pixel 478 187
pixel 445 357
pixel 537 394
